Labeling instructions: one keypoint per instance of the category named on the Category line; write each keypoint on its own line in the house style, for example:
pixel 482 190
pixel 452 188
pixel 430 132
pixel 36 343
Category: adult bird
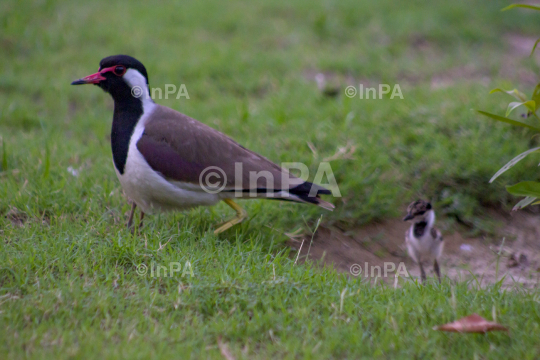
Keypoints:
pixel 168 161
pixel 424 242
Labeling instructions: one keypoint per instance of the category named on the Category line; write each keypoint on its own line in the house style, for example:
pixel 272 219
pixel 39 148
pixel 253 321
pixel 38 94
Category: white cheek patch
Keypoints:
pixel 139 88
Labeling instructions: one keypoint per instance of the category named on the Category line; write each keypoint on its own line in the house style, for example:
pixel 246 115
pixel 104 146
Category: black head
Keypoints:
pixel 114 76
pixel 417 208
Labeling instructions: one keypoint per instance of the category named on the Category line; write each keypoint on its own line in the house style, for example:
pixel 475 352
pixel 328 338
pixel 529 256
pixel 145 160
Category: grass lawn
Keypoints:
pixel 69 281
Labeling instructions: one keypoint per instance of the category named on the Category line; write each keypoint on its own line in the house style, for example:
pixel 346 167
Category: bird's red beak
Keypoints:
pixel 94 78
pixel 90 79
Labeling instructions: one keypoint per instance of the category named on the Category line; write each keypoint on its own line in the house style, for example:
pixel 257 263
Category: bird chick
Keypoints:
pixel 424 242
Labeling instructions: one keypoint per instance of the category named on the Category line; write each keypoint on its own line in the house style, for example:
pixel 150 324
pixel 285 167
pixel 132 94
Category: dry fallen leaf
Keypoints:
pixel 471 324
pixel 224 349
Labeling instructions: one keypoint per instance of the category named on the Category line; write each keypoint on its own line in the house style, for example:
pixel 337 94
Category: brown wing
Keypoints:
pixel 181 148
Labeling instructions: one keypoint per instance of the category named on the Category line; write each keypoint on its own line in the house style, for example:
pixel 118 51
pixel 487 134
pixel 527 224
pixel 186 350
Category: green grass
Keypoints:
pixel 68 280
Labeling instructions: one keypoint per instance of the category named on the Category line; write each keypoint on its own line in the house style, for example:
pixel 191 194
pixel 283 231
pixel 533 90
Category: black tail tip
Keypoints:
pixel 309 189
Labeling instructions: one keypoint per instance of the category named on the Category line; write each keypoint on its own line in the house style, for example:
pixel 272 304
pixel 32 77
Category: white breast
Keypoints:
pixel 147 188
pixel 424 248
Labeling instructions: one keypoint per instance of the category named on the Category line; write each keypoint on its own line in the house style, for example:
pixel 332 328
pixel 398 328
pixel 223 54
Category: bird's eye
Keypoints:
pixel 119 70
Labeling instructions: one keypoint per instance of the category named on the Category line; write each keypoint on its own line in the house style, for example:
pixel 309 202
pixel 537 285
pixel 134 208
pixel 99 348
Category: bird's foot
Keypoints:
pixel 241 215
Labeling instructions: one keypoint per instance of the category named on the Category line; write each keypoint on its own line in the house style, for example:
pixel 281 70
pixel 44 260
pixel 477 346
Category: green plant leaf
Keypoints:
pixel 513 162
pixel 534 47
pixel 525 188
pixel 524 203
pixel 531 105
pixel 507 120
pixel 514 92
pixel 526 6
pixel 536 95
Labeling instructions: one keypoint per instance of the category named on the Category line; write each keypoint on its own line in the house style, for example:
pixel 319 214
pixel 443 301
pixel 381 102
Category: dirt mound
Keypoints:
pixel 516 260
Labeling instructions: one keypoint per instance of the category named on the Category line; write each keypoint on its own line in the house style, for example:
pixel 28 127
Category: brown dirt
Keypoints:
pixel 16 217
pixel 464 258
pixel 517 48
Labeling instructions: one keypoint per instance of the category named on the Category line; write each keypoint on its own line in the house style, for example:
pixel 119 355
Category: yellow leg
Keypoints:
pixel 241 214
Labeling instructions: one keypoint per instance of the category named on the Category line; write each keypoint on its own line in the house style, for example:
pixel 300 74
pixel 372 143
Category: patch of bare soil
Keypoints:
pixel 464 258
pixel 519 47
pixel 16 217
pixel 450 76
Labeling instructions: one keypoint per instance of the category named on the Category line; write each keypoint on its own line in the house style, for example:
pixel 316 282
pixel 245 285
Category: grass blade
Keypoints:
pixel 507 120
pixel 47 162
pixel 524 203
pixel 513 162
pixel 4 157
pixel 536 94
pixel 531 105
pixel 525 6
pixel 534 47
pixel 514 92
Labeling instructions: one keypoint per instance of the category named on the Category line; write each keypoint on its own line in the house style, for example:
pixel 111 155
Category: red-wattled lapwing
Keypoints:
pixel 424 242
pixel 162 157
